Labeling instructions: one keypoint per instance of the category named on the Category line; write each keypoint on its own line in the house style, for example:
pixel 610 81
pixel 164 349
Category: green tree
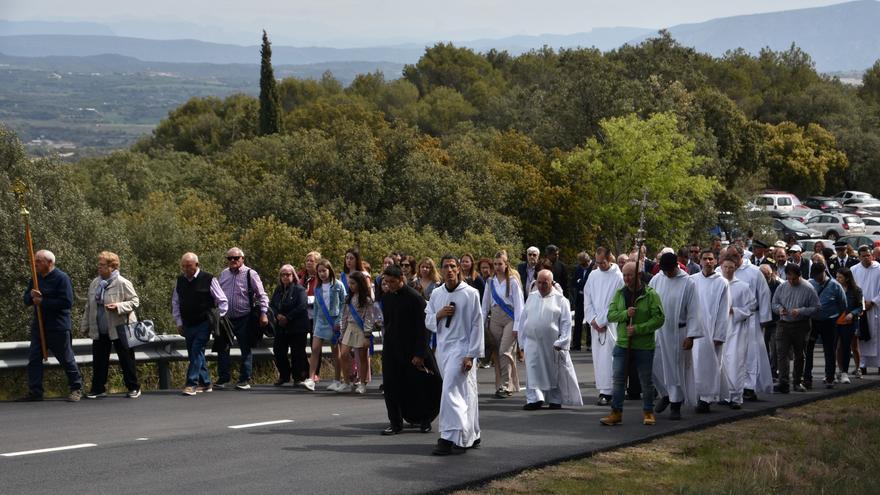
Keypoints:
pixel 270 102
pixel 798 159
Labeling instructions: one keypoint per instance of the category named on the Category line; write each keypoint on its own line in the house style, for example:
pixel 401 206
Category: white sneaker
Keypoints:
pixel 844 378
pixel 344 388
pixel 334 387
pixel 309 384
pixel 361 388
pixel 837 377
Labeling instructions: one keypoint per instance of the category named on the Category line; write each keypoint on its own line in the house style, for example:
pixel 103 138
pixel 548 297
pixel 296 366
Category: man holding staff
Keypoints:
pixel 53 300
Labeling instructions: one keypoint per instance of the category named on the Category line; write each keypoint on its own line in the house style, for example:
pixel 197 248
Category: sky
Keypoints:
pixel 349 23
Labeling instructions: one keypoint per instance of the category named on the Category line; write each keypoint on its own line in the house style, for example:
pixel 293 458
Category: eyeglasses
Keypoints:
pixel 233 258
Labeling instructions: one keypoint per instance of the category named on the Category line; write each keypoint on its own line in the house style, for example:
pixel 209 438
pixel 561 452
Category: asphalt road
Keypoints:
pixel 327 443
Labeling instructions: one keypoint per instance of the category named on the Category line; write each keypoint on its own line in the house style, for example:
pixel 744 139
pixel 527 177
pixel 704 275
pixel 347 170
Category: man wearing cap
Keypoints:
pixel 796 254
pixel 528 270
pixel 760 253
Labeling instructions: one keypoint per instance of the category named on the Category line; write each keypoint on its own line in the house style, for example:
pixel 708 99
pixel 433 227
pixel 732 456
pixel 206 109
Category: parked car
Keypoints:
pixel 791 229
pixel 776 202
pixel 807 245
pixel 822 203
pixel 864 210
pixel 836 225
pixel 801 214
pixel 861 201
pixel 861 240
pixel 872 225
pixel 844 195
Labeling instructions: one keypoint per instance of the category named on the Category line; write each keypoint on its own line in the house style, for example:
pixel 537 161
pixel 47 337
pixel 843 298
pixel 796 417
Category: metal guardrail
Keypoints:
pixel 164 350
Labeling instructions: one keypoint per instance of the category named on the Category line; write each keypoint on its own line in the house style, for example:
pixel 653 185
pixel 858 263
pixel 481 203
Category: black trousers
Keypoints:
pixel 296 364
pixel 578 327
pixel 791 338
pixel 827 329
pixel 101 363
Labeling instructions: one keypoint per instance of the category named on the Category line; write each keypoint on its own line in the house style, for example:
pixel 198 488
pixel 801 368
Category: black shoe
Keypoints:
pixel 445 447
pixel 865 370
pixel 723 402
pixel 501 394
pixel 279 383
pixel 780 389
pixel 702 407
pixel 533 406
pixel 829 383
pixel 750 395
pixel 808 384
pixel 425 428
pixel 736 406
pixel 30 397
pixel 476 444
pixel 604 400
pixel 675 411
pixel 662 404
pixel 391 430
pixel 555 406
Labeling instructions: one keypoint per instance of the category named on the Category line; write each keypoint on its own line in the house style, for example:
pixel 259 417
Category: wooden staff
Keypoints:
pixel 20 188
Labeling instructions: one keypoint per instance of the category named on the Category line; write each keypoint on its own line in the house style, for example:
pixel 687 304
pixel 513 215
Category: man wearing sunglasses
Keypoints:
pixel 244 290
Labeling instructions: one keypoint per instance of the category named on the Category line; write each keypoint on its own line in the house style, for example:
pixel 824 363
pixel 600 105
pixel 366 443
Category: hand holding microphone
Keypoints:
pixel 451 312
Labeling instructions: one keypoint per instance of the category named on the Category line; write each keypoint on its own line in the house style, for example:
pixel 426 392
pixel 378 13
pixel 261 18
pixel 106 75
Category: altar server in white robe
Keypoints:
pixel 674 370
pixel 867 276
pixel 759 377
pixel 600 289
pixel 743 306
pixel 714 295
pixel 455 315
pixel 545 333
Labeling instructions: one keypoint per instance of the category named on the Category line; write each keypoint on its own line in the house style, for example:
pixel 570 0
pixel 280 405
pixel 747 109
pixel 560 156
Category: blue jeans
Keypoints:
pixel 59 344
pixel 644 363
pixel 240 329
pixel 196 339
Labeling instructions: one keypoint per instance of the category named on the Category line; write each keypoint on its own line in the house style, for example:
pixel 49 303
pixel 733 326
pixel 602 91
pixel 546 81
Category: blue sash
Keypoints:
pixel 360 322
pixel 500 302
pixel 319 296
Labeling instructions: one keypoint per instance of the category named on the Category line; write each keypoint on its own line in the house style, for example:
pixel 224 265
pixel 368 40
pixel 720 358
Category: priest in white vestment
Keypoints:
pixel 743 306
pixel 603 284
pixel 673 363
pixel 714 295
pixel 455 315
pixel 545 333
pixel 867 277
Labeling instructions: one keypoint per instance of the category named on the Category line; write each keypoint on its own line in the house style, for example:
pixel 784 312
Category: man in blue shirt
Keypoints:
pixel 53 300
pixel 832 302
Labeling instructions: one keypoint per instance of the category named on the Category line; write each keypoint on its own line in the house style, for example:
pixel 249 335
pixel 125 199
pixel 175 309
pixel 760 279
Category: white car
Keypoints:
pixel 835 225
pixel 872 225
pixel 844 195
pixel 776 202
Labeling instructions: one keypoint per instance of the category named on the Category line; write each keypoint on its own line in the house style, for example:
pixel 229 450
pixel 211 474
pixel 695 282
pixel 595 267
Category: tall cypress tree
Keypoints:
pixel 270 101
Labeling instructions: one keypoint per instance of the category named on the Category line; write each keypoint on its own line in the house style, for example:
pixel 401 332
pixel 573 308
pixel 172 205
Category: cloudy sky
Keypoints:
pixel 359 23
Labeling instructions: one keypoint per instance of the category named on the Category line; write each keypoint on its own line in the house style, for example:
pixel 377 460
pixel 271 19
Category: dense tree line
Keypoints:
pixel 464 152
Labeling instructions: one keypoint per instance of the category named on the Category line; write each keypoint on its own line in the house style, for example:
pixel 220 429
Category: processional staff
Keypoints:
pixel 20 189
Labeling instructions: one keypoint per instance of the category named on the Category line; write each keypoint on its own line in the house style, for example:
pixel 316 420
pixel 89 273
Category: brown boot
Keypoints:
pixel 613 419
pixel 649 418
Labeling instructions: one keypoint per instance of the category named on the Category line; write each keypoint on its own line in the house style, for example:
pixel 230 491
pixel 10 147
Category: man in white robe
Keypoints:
pixel 733 360
pixel 673 364
pixel 867 277
pixel 759 377
pixel 545 333
pixel 714 295
pixel 455 315
pixel 603 284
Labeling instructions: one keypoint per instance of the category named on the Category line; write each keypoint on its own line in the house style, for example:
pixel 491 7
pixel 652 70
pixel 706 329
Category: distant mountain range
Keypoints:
pixel 840 37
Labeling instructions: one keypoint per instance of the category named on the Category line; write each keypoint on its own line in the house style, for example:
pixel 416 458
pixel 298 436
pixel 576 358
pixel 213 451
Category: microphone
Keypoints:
pixel 449 318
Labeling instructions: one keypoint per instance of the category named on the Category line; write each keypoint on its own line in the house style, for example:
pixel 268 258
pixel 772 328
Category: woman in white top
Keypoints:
pixel 503 303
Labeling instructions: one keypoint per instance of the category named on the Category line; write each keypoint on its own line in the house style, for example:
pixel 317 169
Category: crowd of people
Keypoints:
pixel 695 327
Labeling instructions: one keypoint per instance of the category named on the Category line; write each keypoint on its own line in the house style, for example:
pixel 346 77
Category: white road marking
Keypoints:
pixel 264 423
pixel 141 439
pixel 53 449
pixel 335 414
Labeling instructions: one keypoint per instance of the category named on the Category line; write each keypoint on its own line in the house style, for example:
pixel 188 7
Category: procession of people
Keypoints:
pixel 687 330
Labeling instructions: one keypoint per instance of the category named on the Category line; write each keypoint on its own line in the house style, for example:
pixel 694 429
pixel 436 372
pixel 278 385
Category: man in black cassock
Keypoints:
pixel 411 379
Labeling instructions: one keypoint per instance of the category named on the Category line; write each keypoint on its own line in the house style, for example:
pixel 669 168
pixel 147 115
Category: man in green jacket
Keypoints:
pixel 638 312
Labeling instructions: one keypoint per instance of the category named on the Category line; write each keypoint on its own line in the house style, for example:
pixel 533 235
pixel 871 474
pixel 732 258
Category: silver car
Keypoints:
pixel 835 225
pixel 872 225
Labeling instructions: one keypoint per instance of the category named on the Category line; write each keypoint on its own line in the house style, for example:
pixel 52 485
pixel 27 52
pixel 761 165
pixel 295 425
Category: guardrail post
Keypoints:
pixel 164 375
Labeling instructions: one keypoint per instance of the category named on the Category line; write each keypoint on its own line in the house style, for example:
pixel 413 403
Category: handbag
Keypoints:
pixel 255 331
pixel 137 333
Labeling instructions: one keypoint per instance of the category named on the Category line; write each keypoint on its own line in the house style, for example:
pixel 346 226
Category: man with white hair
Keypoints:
pixel 244 291
pixel 193 299
pixel 53 300
pixel 528 270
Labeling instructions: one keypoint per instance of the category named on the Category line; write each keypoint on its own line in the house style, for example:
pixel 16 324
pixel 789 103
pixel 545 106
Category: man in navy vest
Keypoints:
pixel 195 295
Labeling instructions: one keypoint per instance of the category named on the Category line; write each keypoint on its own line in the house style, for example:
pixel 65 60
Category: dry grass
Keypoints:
pixel 830 446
